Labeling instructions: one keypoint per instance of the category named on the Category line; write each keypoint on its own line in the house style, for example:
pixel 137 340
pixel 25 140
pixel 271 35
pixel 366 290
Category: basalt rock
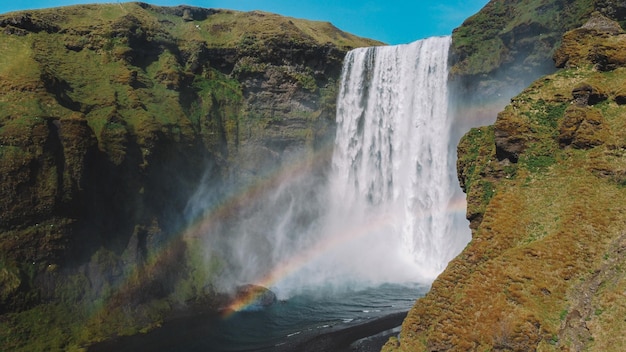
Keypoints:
pixel 585 94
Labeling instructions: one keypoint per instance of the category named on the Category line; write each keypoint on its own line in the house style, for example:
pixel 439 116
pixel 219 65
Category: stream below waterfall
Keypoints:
pixel 288 325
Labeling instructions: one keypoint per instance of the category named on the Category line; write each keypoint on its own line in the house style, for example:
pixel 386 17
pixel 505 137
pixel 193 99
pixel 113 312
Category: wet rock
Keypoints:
pixel 255 295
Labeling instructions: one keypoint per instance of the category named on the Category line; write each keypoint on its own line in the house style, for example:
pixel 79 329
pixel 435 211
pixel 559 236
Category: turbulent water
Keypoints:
pixel 389 210
pixel 393 160
pixel 375 229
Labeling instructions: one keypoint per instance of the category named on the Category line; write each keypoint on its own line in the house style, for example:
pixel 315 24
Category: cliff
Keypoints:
pixel 110 117
pixel 545 190
pixel 503 48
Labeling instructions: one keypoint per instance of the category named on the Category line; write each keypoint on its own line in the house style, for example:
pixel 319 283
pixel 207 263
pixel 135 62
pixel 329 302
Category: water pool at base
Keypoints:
pixel 280 327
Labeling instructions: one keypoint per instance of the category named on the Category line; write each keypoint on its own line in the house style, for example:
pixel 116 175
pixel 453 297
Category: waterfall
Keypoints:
pixel 394 159
pixel 394 210
pixel 390 210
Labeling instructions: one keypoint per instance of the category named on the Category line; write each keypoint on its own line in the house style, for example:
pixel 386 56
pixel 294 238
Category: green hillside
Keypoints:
pixel 110 116
pixel 545 186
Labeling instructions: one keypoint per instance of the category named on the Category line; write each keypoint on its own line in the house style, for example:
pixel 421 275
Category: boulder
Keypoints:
pixel 582 128
pixel 585 94
pixel 511 135
pixel 255 295
pixel 598 42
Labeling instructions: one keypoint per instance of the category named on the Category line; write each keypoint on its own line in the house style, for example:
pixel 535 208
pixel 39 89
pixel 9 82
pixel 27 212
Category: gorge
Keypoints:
pixel 154 159
pixel 366 240
pixel 389 192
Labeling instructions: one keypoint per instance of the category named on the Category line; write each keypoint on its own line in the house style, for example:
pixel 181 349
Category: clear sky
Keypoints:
pixel 390 21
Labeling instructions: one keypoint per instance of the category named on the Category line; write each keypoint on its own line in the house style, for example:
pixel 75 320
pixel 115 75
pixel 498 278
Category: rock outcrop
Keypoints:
pixel 545 190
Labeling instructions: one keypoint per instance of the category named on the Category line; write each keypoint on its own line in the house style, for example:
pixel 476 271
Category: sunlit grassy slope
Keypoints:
pixel 546 190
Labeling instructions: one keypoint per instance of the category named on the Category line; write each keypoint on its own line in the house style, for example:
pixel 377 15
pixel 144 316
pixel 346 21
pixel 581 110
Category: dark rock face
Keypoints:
pixel 109 123
pixel 586 94
pixel 24 23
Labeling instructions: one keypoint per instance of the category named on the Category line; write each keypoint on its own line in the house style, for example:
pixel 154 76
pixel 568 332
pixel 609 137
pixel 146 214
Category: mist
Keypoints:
pixel 380 205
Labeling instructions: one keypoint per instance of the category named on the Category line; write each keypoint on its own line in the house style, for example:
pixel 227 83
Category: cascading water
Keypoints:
pixel 394 212
pixel 385 213
pixel 393 157
pixel 336 247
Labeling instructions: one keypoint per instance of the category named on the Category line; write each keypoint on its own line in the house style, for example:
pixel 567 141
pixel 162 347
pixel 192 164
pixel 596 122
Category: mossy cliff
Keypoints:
pixel 545 187
pixel 110 115
pixel 507 45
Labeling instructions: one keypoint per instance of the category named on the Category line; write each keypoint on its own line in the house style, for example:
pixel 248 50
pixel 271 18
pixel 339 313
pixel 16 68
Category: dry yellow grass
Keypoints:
pixel 545 268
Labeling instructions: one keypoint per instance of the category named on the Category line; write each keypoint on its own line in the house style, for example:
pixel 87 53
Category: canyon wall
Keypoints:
pixel 111 116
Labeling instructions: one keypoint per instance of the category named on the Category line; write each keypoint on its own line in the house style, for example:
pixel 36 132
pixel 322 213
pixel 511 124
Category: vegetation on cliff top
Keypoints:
pixel 545 187
pixel 508 44
pixel 504 32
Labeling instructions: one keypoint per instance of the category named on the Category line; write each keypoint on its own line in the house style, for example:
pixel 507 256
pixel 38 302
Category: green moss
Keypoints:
pixel 479 42
pixel 39 329
pixel 249 65
pixel 547 114
pixel 10 280
pixel 476 146
pixel 143 80
pixel 306 80
pixel 198 283
pixel 538 163
pixel 328 96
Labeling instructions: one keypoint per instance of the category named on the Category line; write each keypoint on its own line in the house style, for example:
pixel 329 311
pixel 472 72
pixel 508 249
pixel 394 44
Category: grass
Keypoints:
pixel 524 262
pixel 228 28
pixel 544 244
pixel 490 38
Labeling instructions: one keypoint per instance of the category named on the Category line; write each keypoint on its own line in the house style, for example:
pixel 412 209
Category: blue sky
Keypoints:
pixel 390 21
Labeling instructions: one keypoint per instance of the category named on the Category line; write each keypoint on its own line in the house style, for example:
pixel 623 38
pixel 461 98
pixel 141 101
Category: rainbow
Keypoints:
pixel 207 221
pixel 136 279
pixel 301 259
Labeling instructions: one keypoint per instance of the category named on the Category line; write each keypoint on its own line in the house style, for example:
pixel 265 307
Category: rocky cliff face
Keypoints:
pixel 502 49
pixel 545 190
pixel 110 117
